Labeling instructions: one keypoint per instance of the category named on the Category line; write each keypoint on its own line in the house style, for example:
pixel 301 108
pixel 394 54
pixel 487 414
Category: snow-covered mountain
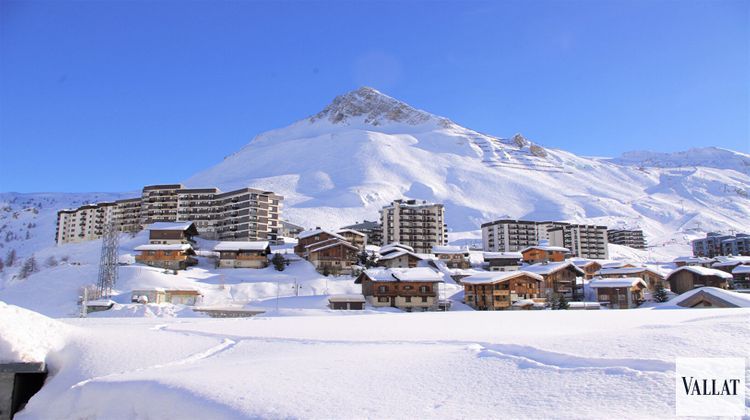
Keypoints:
pixel 366 149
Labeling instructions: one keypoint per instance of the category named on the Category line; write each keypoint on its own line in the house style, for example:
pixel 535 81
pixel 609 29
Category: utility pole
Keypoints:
pixel 108 261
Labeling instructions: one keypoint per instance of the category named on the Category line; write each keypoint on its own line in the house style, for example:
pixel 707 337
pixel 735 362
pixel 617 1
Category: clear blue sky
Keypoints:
pixel 109 96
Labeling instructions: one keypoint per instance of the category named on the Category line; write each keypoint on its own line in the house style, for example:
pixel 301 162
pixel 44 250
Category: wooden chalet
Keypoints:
pixel 651 277
pixel 709 297
pixel 398 256
pixel 559 277
pixel 309 237
pixel 238 254
pixel 590 267
pixel 494 291
pixel 544 253
pixel 502 261
pixel 620 292
pixel 355 237
pixel 334 256
pixel 690 277
pixel 166 233
pixel 452 256
pixel 170 256
pixel 409 289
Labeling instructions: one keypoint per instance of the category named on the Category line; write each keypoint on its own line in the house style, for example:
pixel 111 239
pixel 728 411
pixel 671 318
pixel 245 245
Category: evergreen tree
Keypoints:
pixel 660 293
pixel 372 260
pixel 326 270
pixel 362 258
pixel 562 303
pixel 552 300
pixel 10 258
pixel 2 265
pixel 278 262
pixel 51 261
pixel 29 267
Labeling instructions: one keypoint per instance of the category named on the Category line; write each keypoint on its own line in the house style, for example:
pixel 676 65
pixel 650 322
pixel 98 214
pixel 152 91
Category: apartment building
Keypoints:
pixel 631 238
pixel 584 241
pixel 739 245
pixel 241 215
pixel 508 235
pixel 420 225
pixel 710 246
pixel 373 230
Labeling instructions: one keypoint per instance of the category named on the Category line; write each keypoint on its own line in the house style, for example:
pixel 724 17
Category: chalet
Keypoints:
pixel 346 302
pixel 170 256
pixel 741 275
pixel 309 237
pixel 651 277
pixel 728 264
pixel 711 297
pixel 502 261
pixel 159 295
pixel 590 267
pixel 188 297
pixel 168 233
pixel 452 256
pixel 355 237
pixel 335 256
pixel 620 292
pixel 544 253
pixel 559 277
pixel 689 277
pixel 693 261
pixel 500 290
pixel 398 256
pixel 409 289
pixel 239 254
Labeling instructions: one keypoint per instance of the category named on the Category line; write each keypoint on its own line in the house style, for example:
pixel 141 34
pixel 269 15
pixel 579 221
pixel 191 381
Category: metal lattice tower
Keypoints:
pixel 108 261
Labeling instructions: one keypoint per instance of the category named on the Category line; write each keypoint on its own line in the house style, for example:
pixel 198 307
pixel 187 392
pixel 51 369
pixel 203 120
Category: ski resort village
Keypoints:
pixel 378 261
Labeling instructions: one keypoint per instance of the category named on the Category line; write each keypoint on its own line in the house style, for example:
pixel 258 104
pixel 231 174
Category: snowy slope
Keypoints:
pixel 366 149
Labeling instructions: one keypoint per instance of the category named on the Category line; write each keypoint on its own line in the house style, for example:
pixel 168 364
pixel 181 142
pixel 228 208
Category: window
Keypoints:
pixel 424 289
pixel 408 299
pixel 424 299
pixel 382 289
pixel 408 287
pixel 383 299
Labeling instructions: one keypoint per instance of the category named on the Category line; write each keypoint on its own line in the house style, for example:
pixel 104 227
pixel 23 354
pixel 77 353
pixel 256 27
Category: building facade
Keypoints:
pixel 373 230
pixel 420 225
pixel 584 241
pixel 510 235
pixel 710 246
pixel 242 215
pixel 631 238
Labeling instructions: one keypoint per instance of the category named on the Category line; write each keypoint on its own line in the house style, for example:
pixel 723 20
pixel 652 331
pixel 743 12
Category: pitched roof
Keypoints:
pixel 396 254
pixel 741 300
pixel 403 274
pixel 309 233
pixel 551 267
pixel 319 246
pixel 502 255
pixel 170 226
pixel 546 248
pixel 164 247
pixel 356 232
pixel 498 277
pixel 241 246
pixel 702 271
pixel 625 271
pixel 741 269
pixel 449 249
pixel 394 247
pixel 617 282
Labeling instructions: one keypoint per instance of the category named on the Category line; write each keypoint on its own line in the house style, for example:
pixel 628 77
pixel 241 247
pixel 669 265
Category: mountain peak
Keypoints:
pixel 373 106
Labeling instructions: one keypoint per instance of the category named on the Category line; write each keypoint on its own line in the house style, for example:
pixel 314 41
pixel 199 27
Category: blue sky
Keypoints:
pixel 109 96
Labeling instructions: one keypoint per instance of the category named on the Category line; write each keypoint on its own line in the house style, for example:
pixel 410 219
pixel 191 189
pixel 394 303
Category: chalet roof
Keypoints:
pixel 741 269
pixel 242 246
pixel 583 262
pixel 309 233
pixel 498 277
pixel 449 249
pixel 355 232
pixel 346 298
pixel 617 282
pixel 170 226
pixel 396 254
pixel 502 255
pixel 731 261
pixel 403 274
pixel 740 300
pixel 551 267
pixel 625 271
pixel 394 247
pixel 702 271
pixel 545 248
pixel 693 260
pixel 164 247
pixel 330 244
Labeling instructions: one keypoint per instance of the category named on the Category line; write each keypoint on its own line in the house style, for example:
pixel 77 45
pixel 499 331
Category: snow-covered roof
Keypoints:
pixel 330 244
pixel 741 269
pixel 498 277
pixel 693 260
pixel 617 282
pixel 502 255
pixel 741 300
pixel 546 248
pixel 702 271
pixel 352 231
pixel 449 249
pixel 241 246
pixel 582 262
pixel 169 226
pixel 163 247
pixel 624 271
pixel 404 274
pixel 394 247
pixel 151 289
pixel 309 233
pixel 346 298
pixel 551 267
pixel 731 261
pixel 396 254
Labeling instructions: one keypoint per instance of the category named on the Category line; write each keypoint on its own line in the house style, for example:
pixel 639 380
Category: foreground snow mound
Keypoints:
pixel 27 336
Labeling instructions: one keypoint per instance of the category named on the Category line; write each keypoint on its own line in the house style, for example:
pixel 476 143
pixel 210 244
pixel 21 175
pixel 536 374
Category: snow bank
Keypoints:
pixel 27 336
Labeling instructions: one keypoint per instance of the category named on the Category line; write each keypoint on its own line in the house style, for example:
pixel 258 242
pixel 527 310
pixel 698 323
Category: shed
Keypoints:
pixel 346 302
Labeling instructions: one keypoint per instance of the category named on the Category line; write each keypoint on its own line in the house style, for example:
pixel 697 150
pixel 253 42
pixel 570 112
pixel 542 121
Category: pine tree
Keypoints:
pixel 372 260
pixel 326 270
pixel 51 261
pixel 552 300
pixel 562 303
pixel 29 267
pixel 11 258
pixel 362 258
pixel 660 293
pixel 2 265
pixel 278 262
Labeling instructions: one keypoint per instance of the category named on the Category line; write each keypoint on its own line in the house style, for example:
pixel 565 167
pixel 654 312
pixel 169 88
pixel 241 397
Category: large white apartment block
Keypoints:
pixel 420 225
pixel 584 241
pixel 509 235
pixel 243 215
